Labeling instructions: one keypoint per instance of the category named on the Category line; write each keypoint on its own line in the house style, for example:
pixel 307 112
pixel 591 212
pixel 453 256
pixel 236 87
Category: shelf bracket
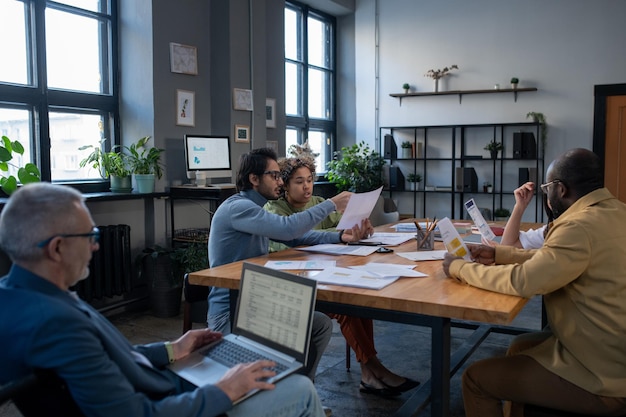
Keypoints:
pixel 460 97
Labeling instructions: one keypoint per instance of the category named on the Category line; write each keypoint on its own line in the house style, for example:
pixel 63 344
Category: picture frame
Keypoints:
pixel 242 133
pixel 185 108
pixel 242 99
pixel 270 112
pixel 183 59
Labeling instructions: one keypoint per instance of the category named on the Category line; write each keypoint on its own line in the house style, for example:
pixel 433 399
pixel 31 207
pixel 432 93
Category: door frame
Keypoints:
pixel 601 92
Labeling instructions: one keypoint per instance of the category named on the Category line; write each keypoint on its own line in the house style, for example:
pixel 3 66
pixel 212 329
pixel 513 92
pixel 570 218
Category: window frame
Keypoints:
pixel 304 123
pixel 37 98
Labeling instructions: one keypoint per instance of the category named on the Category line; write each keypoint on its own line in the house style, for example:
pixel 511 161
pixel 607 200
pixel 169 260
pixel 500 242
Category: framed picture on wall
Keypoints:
pixel 242 133
pixel 270 112
pixel 242 99
pixel 183 59
pixel 185 111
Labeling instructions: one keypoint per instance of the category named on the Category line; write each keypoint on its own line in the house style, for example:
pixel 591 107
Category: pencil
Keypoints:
pixel 417 224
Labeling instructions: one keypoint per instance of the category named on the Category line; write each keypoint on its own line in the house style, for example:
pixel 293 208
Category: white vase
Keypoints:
pixel 436 85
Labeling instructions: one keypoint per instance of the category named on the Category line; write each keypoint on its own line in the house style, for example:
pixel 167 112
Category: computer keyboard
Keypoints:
pixel 230 354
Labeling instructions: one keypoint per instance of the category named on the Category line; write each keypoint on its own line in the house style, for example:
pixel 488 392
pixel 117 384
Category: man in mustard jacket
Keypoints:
pixel 580 364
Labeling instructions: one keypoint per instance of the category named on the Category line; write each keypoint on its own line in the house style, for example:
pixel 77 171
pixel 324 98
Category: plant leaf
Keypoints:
pixel 18 148
pixel 9 184
pixel 5 155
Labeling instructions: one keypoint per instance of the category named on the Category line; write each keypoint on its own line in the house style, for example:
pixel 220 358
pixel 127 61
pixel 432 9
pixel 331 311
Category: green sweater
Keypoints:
pixel 283 208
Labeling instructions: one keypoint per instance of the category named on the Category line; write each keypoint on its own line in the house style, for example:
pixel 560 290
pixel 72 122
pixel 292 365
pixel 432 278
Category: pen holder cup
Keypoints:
pixel 425 240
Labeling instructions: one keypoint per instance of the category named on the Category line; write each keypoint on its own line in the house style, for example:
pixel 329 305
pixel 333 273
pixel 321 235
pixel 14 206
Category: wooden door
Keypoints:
pixel 615 146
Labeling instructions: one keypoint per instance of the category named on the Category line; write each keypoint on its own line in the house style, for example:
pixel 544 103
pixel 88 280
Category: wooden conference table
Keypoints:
pixel 434 301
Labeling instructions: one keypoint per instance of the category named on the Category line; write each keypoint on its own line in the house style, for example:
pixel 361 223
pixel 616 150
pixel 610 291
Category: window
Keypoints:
pixel 310 80
pixel 58 86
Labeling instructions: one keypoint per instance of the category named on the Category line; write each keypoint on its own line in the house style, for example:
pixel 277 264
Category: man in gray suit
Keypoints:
pixel 49 234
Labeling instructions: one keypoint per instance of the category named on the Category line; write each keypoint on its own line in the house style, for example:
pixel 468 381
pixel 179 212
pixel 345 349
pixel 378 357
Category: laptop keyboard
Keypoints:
pixel 230 354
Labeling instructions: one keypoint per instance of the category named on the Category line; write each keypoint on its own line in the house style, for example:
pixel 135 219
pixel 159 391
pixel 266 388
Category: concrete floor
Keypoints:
pixel 402 348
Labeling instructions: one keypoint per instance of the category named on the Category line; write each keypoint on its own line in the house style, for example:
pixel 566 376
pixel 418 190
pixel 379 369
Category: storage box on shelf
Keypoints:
pixel 453 162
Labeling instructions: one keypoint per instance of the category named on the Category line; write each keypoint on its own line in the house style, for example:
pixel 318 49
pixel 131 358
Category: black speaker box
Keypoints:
pixel 466 180
pixel 524 145
pixel 390 148
pixel 396 179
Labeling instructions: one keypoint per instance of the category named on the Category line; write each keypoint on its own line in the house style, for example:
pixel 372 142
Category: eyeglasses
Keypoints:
pixel 544 187
pixel 93 236
pixel 273 174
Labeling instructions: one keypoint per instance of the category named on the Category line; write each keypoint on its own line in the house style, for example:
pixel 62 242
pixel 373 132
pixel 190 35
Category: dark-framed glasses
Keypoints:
pixel 93 236
pixel 273 174
pixel 544 187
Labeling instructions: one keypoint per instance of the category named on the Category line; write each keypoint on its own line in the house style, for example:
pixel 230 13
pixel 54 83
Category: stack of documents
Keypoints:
pixel 371 276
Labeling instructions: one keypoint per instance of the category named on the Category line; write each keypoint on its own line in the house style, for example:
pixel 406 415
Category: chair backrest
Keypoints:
pixel 41 393
pixel 379 216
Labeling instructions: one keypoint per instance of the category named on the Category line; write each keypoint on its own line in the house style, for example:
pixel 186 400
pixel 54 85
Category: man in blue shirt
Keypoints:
pixel 49 234
pixel 242 229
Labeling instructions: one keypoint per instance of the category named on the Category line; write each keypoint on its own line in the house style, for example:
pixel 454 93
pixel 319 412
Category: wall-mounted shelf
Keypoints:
pixel 460 93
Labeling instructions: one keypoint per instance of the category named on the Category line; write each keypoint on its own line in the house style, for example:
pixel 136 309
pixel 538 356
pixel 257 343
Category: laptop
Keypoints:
pixel 273 318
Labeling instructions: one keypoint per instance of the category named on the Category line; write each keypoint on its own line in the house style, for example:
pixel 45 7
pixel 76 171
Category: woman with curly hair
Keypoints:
pixel 298 176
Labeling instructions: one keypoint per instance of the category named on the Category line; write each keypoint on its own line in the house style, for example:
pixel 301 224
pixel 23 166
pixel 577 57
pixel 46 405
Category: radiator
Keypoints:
pixel 110 269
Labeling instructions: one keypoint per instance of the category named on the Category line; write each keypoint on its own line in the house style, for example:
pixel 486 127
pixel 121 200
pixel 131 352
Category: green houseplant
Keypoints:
pixel 413 179
pixel 112 164
pixel 493 147
pixel 145 164
pixel 501 214
pixel 407 151
pixel 26 174
pixel 406 88
pixel 356 168
pixel 514 82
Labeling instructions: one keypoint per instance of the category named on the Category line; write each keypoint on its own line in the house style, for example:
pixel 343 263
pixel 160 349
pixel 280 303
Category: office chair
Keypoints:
pixel 195 305
pixel 41 393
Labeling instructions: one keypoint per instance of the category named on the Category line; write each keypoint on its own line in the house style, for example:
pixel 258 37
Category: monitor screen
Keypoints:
pixel 210 154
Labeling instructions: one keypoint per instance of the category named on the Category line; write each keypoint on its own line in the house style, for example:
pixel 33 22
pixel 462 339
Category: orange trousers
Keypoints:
pixel 359 333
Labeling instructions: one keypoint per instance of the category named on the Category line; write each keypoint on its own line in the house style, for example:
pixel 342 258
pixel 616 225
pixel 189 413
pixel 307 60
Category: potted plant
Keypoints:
pixel 439 73
pixel 112 164
pixel 157 268
pixel 514 82
pixel 414 179
pixel 406 149
pixel 406 88
pixel 487 187
pixel 26 174
pixel 493 147
pixel 145 164
pixel 356 168
pixel 541 119
pixel 501 214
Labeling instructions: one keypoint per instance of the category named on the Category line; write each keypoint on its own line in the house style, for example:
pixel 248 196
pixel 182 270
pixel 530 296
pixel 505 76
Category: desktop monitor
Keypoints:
pixel 210 154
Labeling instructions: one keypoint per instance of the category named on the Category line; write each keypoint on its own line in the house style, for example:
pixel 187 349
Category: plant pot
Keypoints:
pixel 412 186
pixel 144 183
pixel 406 91
pixel 501 219
pixel 436 85
pixel 514 86
pixel 121 184
pixel 407 153
pixel 165 302
pixel 494 154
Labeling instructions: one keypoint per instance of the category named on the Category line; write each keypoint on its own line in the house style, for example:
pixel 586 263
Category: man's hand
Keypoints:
pixel 524 194
pixel 484 254
pixel 245 377
pixel 341 200
pixel 192 340
pixel 357 233
pixel 447 260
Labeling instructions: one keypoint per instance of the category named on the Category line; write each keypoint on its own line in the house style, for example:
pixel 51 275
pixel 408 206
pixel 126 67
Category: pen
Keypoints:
pixel 364 243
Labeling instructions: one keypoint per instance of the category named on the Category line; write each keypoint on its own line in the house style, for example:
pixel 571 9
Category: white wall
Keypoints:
pixel 562 47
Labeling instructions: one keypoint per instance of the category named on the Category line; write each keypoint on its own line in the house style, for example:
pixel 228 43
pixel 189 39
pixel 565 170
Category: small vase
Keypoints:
pixel 407 153
pixel 514 86
pixel 436 85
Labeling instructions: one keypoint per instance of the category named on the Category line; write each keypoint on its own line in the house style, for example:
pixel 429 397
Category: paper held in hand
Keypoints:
pixel 479 220
pixel 359 207
pixel 452 240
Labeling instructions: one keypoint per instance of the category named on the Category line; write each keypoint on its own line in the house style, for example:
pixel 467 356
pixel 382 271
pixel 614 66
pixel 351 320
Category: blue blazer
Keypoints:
pixel 43 327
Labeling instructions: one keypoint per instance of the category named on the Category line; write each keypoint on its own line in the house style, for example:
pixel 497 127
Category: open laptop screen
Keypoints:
pixel 275 308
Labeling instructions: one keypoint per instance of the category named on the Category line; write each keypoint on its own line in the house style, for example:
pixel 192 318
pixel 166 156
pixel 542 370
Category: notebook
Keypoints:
pixel 273 319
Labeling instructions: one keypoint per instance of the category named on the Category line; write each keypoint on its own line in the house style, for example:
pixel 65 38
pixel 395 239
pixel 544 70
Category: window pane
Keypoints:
pixel 293 77
pixel 317 141
pixel 291 138
pixel 319 107
pixel 13 49
pixel 15 124
pixel 68 132
pixel 318 43
pixel 73 52
pixel 292 34
pixel 91 5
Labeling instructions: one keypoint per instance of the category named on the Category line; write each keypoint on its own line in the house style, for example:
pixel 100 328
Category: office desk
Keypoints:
pixel 434 301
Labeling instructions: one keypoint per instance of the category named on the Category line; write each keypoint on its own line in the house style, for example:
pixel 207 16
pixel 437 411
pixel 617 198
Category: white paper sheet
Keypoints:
pixel 300 264
pixel 336 249
pixel 479 220
pixel 452 240
pixel 389 239
pixel 391 269
pixel 425 255
pixel 353 278
pixel 359 207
